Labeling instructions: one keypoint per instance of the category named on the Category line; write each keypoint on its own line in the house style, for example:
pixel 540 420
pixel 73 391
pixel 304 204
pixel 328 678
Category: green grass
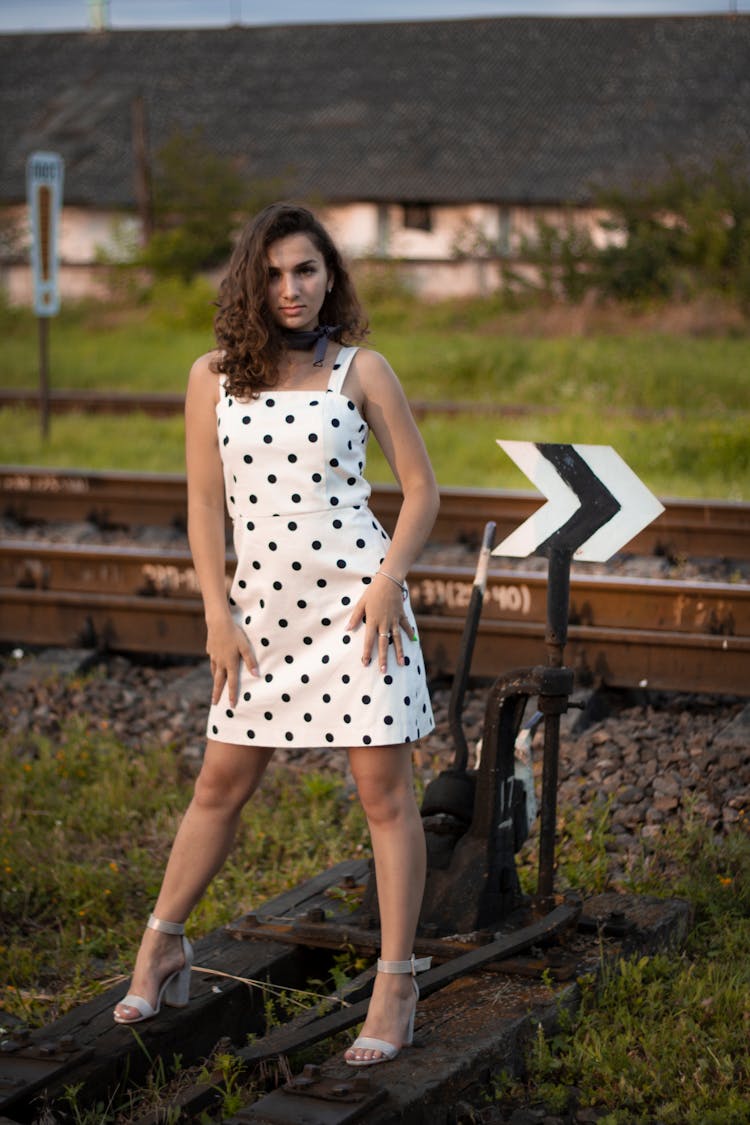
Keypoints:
pixel 664 1037
pixel 86 828
pixel 675 407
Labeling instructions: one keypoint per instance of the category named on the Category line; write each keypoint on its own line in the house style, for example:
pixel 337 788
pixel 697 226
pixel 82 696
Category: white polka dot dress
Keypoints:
pixel 307 544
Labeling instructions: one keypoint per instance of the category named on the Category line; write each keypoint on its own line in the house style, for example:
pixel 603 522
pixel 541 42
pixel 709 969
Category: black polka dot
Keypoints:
pixel 250 525
pixel 270 402
pixel 346 600
pixel 335 422
pixel 286 697
pixel 316 544
pixel 326 698
pixel 268 677
pixel 317 478
pixel 307 717
pixel 248 459
pixel 289 418
pixel 289 736
pixel 273 546
pixel 289 659
pixel 312 438
pixel 230 713
pixel 302 604
pixel 268 439
pixel 366 699
pixel 283 622
pixel 346 678
pixel 325 621
pixel 334 501
pixel 329 738
pixel 341 564
pixel 292 458
pixel 272 478
pixel 305 679
pixel 226 441
pixel 347 718
pixel 247 696
pixel 265 642
pixel 296 566
pixel 250 734
pixel 388 720
pixel 361 543
pixel 334 463
pixel 307 640
pixel 268 715
pixel 346 639
pixel 296 498
pixel 321 582
pixel 292 525
pixel 277 585
pixel 256 564
pixel 253 498
pixel 242 583
pixel 325 659
pixel 214 729
pixel 337 524
pixel 366 739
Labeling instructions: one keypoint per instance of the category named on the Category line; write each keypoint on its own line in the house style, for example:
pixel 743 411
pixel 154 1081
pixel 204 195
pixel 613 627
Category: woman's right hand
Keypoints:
pixel 227 646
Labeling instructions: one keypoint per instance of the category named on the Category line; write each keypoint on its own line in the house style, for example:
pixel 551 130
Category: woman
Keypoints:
pixel 316 644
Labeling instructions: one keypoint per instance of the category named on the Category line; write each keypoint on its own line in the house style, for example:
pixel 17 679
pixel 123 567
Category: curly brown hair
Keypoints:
pixel 250 341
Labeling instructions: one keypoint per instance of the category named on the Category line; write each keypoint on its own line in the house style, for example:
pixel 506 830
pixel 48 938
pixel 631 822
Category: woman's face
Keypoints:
pixel 297 282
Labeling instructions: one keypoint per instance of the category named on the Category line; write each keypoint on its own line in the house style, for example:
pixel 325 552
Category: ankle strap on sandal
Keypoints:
pixel 414 965
pixel 155 923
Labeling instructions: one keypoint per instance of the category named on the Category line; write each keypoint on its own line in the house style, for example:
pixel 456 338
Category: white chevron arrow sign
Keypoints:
pixel 595 502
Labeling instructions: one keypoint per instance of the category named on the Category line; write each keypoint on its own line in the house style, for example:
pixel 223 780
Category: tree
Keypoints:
pixel 197 198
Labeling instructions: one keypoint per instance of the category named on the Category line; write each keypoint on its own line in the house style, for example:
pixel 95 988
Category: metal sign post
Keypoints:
pixel 44 185
pixel 595 504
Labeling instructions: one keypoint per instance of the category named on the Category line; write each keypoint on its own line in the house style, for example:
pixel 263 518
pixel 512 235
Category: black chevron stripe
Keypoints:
pixel 598 505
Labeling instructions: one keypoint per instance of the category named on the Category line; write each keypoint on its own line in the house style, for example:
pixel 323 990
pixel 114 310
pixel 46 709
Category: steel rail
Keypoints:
pixel 163 404
pixel 688 528
pixel 670 635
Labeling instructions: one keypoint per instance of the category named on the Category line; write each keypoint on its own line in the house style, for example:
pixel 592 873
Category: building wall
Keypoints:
pixel 441 250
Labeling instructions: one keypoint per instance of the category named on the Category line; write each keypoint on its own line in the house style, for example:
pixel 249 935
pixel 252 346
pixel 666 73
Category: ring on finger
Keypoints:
pixel 388 635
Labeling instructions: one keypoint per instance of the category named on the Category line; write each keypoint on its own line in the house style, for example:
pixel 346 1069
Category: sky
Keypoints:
pixel 73 15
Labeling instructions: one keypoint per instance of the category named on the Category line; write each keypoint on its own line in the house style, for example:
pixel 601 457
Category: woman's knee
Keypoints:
pixel 386 801
pixel 226 782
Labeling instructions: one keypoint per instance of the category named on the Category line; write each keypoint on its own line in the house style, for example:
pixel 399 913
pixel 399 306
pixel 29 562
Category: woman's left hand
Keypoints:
pixel 381 608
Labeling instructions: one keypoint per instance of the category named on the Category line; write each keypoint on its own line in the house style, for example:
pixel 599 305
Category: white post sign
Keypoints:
pixel 44 184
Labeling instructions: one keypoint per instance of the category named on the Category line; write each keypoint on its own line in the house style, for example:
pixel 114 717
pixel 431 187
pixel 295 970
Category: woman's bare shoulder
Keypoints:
pixel 203 381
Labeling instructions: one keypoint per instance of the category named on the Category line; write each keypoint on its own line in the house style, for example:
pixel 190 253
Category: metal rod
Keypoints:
pixel 558 598
pixel 548 814
pixel 44 376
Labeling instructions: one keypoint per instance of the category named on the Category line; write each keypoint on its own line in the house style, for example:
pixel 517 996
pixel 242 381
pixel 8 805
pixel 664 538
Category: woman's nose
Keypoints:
pixel 288 284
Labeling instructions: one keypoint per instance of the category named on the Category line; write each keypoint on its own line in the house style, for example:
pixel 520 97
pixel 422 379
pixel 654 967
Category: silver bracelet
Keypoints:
pixel 401 585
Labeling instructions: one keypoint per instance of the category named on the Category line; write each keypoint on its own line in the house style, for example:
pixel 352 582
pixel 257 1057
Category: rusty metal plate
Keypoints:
pixel 25 1063
pixel 311 1098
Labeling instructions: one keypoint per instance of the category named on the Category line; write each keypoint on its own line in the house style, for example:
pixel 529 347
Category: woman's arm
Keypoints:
pixel 389 416
pixel 226 644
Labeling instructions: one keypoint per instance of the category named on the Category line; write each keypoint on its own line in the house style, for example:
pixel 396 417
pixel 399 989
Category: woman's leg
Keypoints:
pixel 228 778
pixel 385 785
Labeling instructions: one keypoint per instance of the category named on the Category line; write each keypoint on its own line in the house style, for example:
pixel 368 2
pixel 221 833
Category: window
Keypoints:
pixel 417 216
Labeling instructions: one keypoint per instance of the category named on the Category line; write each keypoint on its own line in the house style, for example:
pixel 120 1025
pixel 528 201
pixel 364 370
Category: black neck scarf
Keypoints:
pixel 316 338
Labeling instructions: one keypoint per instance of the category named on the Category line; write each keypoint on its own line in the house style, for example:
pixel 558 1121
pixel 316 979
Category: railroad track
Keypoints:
pixel 689 528
pixel 670 635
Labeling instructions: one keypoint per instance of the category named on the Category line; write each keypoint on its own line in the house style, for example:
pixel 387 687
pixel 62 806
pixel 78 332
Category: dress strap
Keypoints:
pixel 340 369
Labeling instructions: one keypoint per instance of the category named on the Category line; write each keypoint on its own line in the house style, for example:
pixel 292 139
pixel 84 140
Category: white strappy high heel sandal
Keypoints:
pixel 175 989
pixel 388 1051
